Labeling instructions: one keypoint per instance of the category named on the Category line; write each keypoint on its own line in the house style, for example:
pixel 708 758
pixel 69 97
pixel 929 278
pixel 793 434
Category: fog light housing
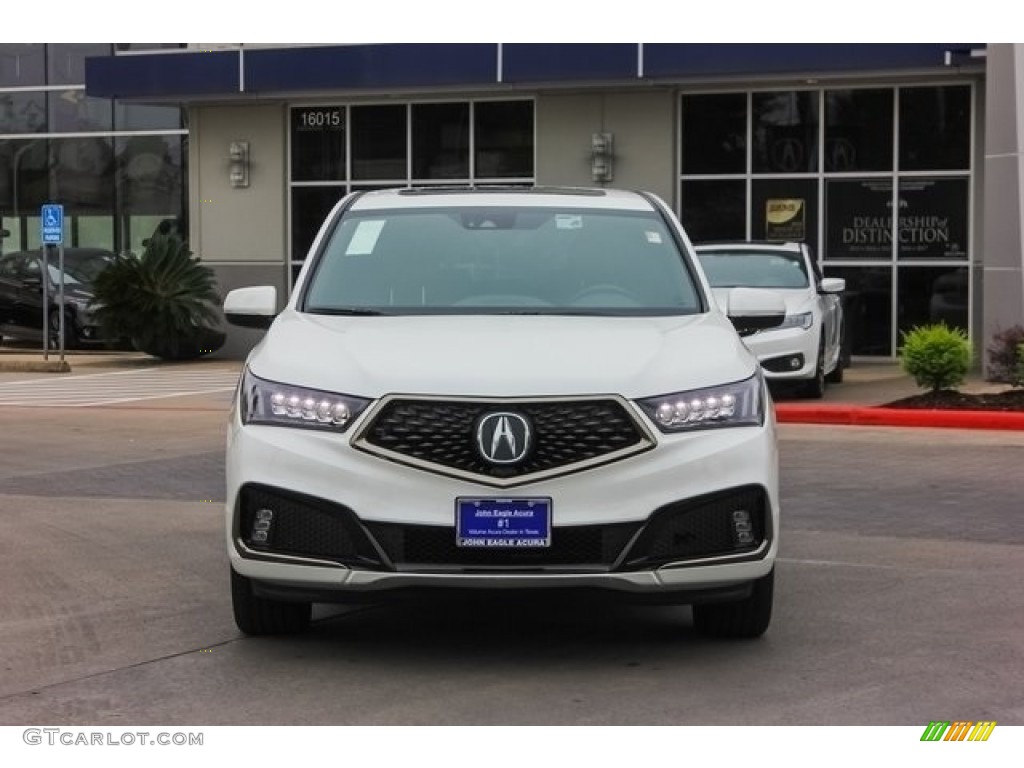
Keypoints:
pixel 783 364
pixel 260 533
pixel 742 527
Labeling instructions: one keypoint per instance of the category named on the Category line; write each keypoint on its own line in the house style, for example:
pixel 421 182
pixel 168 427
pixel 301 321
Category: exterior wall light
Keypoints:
pixel 238 156
pixel 602 156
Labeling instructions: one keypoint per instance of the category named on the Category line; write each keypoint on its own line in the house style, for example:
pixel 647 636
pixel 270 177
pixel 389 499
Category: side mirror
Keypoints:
pixel 832 285
pixel 754 309
pixel 254 307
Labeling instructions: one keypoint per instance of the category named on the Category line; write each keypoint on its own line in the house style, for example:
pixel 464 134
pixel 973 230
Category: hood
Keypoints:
pixel 502 355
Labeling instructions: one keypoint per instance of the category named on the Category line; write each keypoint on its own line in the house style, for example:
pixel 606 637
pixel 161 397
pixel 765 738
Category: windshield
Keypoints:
pixel 79 268
pixel 501 259
pixel 754 269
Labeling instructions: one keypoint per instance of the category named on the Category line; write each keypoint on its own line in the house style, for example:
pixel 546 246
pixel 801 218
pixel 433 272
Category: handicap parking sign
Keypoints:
pixel 52 218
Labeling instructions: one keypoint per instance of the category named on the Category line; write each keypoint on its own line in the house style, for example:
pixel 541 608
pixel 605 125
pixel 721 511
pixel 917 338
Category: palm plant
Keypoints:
pixel 162 301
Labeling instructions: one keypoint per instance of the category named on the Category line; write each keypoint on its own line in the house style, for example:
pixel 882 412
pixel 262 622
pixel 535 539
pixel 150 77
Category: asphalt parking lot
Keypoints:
pixel 898 598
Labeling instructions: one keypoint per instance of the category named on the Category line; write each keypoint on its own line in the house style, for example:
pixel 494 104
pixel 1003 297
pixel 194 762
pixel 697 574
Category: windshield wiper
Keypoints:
pixel 350 311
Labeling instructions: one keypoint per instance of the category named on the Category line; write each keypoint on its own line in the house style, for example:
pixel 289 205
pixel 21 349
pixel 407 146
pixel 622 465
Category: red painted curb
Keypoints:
pixel 787 413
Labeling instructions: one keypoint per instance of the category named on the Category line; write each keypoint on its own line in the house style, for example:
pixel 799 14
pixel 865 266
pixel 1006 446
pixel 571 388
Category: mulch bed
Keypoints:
pixel 950 399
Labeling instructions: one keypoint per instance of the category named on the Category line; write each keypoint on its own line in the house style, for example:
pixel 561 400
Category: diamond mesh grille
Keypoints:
pixel 443 433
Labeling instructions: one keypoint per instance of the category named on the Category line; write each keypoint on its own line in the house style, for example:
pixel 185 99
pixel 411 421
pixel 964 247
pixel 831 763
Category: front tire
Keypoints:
pixel 742 619
pixel 836 375
pixel 260 616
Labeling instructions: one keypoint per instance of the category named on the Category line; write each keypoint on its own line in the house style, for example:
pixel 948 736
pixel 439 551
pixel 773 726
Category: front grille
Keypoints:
pixel 305 526
pixel 442 434
pixel 595 546
pixel 699 528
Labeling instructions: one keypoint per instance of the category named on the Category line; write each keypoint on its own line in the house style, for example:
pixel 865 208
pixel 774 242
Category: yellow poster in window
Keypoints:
pixel 785 219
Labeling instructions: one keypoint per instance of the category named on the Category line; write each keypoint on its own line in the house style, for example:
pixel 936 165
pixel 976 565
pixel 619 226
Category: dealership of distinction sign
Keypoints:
pixel 931 221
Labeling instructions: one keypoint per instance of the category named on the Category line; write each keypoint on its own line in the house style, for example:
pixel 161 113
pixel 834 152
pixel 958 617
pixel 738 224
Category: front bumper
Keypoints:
pixel 775 348
pixel 614 527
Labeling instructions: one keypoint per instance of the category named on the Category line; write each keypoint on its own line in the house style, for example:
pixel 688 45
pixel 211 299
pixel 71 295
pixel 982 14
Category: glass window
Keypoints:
pixel 145 117
pixel 24 178
pixel 714 210
pixel 858 219
pixel 22 64
pixel 785 209
pixel 933 218
pixel 440 141
pixel 858 130
pixel 785 133
pixel 490 259
pixel 504 139
pixel 9 266
pixel 150 188
pixel 65 62
pixel 379 147
pixel 318 144
pixel 86 181
pixel 94 231
pixel 23 112
pixel 867 306
pixel 715 133
pixel 935 128
pixel 310 206
pixel 932 295
pixel 71 111
pixel 147 46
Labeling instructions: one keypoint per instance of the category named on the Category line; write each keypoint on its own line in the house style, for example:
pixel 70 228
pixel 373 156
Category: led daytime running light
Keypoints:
pixel 268 402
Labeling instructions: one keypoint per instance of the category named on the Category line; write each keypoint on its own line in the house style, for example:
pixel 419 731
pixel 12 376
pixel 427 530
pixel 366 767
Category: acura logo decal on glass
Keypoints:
pixel 503 438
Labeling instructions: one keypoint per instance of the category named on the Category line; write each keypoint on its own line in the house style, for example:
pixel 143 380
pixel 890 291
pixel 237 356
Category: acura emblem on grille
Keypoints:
pixel 503 438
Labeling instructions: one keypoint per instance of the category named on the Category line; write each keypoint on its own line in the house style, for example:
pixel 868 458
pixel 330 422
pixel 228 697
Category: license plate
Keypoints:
pixel 515 523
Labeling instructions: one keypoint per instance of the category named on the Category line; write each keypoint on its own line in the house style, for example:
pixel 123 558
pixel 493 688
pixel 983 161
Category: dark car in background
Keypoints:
pixel 21 294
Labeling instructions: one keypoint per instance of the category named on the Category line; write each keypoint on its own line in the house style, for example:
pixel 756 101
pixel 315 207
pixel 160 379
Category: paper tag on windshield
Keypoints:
pixel 364 239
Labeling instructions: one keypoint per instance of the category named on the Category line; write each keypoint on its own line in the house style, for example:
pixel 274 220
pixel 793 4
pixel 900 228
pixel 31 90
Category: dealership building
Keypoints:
pixel 899 164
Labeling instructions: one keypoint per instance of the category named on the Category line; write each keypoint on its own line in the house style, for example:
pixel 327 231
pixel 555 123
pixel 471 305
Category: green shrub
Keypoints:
pixel 1004 356
pixel 937 356
pixel 1018 373
pixel 163 301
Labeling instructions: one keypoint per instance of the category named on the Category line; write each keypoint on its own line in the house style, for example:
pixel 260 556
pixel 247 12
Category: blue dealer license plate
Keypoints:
pixel 520 523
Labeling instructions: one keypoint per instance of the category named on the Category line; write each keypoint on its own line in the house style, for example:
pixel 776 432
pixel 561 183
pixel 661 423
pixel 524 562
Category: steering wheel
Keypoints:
pixel 606 291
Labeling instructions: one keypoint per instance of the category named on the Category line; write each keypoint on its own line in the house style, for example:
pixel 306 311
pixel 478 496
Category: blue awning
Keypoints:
pixel 200 75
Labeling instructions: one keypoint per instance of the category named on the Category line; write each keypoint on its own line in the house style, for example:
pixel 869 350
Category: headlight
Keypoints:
pixel 803 320
pixel 268 402
pixel 729 405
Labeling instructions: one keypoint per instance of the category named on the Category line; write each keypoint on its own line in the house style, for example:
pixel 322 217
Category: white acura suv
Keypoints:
pixel 502 389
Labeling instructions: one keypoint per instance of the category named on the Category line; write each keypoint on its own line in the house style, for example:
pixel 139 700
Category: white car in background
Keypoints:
pixel 807 348
pixel 502 389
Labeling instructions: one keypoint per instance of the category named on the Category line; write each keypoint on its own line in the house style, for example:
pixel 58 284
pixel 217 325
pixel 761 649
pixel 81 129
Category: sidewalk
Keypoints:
pixel 27 360
pixel 870 383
